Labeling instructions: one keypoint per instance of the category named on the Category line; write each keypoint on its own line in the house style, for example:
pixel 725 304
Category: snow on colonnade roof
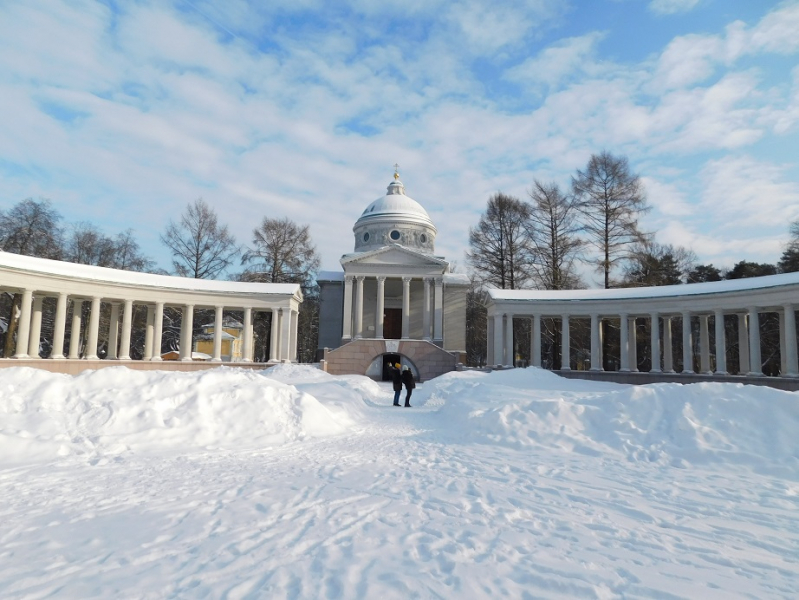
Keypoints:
pixel 663 291
pixel 59 268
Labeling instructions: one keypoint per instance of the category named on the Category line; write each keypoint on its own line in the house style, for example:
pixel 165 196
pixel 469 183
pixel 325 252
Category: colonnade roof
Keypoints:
pixel 753 284
pixel 90 273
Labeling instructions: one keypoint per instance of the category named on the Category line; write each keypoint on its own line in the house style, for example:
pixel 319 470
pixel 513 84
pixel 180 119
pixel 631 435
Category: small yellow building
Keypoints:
pixel 231 340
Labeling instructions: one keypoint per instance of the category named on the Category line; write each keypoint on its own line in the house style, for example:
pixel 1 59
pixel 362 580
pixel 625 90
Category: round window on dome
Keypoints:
pixel 423 238
pixel 366 237
pixel 395 235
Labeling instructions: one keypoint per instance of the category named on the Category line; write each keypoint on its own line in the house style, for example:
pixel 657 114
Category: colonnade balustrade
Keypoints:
pixel 32 280
pixel 738 311
pixel 432 307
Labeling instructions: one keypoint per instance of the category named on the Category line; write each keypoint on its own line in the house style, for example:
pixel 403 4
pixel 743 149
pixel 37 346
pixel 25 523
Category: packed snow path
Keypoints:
pixel 412 502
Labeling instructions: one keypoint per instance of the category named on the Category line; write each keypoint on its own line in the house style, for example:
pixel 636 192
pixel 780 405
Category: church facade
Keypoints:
pixel 395 300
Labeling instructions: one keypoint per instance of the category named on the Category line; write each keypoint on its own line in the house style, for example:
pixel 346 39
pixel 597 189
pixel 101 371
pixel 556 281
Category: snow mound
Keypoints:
pixel 671 424
pixel 114 411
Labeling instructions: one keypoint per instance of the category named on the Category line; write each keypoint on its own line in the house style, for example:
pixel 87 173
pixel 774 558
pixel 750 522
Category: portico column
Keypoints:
pixel 285 335
pixel 654 328
pixel 148 333
pixel 158 331
pixel 406 307
pixel 381 306
pixel 24 325
pixel 624 342
pixel 755 362
pixel 783 349
pixel 295 319
pixel 789 333
pixel 565 344
pixel 743 344
pixel 668 351
pixel 186 327
pixel 246 342
pixel 499 346
pixel 127 321
pixel 60 326
pixel 426 334
pixel 721 343
pixel 358 308
pixel 347 322
pixel 36 327
pixel 632 348
pixel 438 321
pixel 217 351
pixel 596 361
pixel 535 339
pixel 274 334
pixel 510 358
pixel 687 344
pixel 113 332
pixel 704 345
pixel 74 336
pixel 94 329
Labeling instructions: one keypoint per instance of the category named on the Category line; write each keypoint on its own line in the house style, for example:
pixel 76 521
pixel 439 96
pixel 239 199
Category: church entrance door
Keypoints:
pixel 392 323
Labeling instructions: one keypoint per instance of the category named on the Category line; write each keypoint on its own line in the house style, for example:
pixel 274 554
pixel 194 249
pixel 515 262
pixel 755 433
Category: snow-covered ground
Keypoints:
pixel 290 483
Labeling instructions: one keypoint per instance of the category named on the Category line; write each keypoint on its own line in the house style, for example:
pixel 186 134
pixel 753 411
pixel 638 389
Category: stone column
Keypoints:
pixel 624 342
pixel 158 331
pixel 632 348
pixel 381 306
pixel 755 362
pixel 654 328
pixel 218 330
pixel 60 326
pixel 285 335
pixel 687 344
pixel 186 329
pixel 743 344
pixel 535 341
pixel 565 344
pixel 36 327
pixel 358 308
pixel 246 342
pixel 668 351
pixel 295 320
pixel 347 321
pixel 148 333
pixel 499 346
pixel 24 325
pixel 94 329
pixel 127 323
pixel 438 321
pixel 74 336
pixel 274 336
pixel 721 343
pixel 426 333
pixel 113 332
pixel 406 307
pixel 704 345
pixel 596 361
pixel 510 358
pixel 490 338
pixel 789 333
pixel 783 349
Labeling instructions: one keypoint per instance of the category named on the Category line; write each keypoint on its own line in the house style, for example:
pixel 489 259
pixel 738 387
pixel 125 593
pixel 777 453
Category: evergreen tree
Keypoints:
pixel 702 273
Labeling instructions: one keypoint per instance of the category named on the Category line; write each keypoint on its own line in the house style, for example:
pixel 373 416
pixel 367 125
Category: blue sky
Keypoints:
pixel 122 113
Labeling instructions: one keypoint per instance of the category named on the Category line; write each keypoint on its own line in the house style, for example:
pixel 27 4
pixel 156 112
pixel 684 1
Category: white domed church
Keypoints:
pixel 395 301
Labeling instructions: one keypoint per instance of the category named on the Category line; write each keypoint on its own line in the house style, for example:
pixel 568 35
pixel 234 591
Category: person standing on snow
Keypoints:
pixel 407 379
pixel 396 380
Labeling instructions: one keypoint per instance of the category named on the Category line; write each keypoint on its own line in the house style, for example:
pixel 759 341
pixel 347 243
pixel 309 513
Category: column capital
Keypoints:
pixel 381 278
pixel 439 280
pixel 360 278
pixel 406 279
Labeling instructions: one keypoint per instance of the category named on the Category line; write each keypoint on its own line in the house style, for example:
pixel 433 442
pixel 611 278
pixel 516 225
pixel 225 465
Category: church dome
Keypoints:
pixel 395 218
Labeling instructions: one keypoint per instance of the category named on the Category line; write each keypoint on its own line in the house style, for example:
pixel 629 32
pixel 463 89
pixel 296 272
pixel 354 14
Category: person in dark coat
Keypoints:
pixel 396 380
pixel 407 379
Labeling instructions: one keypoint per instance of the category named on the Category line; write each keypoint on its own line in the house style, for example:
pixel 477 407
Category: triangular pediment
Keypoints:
pixel 394 256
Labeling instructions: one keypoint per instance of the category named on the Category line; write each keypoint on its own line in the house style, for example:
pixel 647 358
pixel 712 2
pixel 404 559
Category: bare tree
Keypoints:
pixel 553 233
pixel 658 264
pixel 501 254
pixel 611 199
pixel 201 248
pixel 282 252
pixel 87 245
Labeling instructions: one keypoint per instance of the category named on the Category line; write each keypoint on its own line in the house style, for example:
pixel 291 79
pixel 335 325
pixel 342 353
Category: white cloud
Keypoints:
pixel 559 61
pixel 670 7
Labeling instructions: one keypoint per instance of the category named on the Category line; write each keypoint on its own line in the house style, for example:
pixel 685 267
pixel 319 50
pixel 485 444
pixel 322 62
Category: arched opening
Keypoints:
pixel 378 369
